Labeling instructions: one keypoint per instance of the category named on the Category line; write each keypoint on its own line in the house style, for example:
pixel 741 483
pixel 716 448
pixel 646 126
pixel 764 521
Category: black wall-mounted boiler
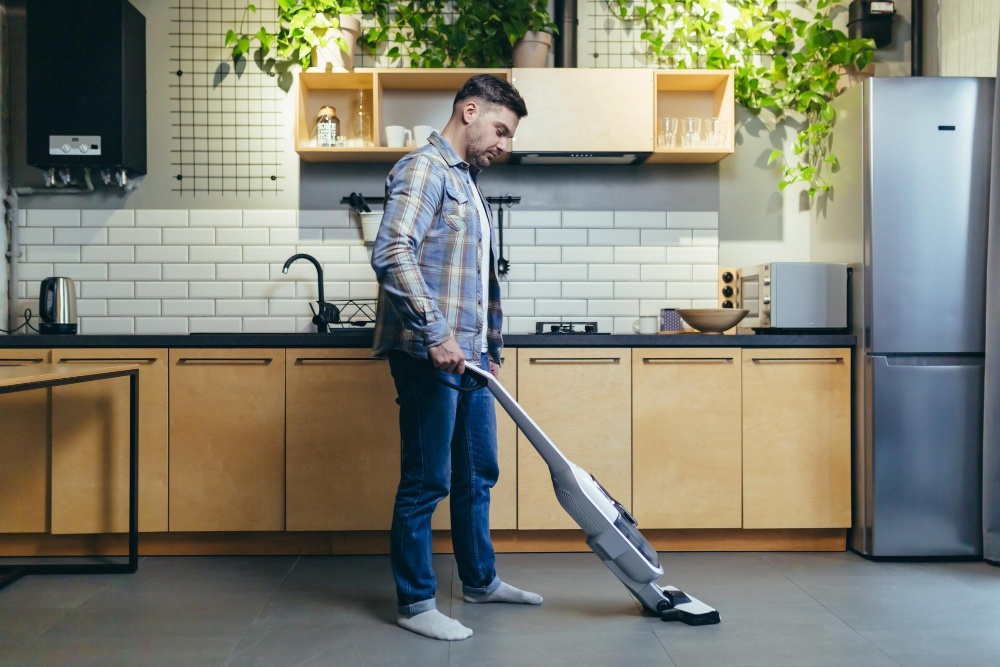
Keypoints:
pixel 86 80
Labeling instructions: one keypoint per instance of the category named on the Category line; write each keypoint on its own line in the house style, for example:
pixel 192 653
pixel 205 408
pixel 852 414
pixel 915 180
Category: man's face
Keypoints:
pixel 488 133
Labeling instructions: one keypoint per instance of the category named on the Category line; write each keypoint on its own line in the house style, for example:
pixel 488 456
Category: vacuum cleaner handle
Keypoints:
pixel 479 379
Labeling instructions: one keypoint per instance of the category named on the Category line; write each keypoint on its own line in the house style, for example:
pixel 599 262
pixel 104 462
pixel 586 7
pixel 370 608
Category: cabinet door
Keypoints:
pixel 582 399
pixel 610 110
pixel 227 439
pixel 796 438
pixel 90 442
pixel 503 497
pixel 24 451
pixel 686 438
pixel 342 435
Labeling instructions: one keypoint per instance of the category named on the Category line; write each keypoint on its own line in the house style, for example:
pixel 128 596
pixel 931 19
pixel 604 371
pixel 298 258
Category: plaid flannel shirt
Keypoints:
pixel 427 258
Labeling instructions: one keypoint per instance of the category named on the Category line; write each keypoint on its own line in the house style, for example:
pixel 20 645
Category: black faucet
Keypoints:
pixel 327 311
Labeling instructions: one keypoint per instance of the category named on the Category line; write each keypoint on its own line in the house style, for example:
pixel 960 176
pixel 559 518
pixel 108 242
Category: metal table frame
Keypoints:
pixel 11 573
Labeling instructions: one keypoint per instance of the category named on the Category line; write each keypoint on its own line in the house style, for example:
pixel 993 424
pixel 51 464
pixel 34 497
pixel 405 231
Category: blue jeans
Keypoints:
pixel 448 439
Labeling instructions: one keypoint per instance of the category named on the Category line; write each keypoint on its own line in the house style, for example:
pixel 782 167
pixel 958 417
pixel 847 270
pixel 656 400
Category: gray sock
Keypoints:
pixel 434 624
pixel 505 593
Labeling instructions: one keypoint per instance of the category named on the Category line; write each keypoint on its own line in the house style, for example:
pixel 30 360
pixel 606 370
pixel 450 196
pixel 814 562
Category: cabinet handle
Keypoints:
pixel 573 359
pixel 133 360
pixel 209 360
pixel 646 360
pixel 302 360
pixel 24 361
pixel 780 359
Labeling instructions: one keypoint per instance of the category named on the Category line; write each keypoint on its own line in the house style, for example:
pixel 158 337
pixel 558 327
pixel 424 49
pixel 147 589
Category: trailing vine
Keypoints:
pixel 781 62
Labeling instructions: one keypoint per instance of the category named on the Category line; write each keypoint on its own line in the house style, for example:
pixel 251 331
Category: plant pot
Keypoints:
pixel 369 225
pixel 331 58
pixel 532 50
pixel 850 76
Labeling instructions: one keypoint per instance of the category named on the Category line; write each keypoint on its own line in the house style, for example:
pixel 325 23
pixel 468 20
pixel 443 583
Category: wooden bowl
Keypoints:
pixel 712 320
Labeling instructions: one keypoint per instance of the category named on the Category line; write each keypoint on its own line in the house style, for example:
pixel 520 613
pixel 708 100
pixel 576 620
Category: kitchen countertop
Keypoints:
pixel 358 339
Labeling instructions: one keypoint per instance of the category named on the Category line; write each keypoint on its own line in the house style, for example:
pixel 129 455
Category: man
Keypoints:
pixel 439 309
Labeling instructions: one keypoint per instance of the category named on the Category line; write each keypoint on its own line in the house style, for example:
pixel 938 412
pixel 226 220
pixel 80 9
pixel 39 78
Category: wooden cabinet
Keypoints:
pixel 24 451
pixel 342 435
pixel 227 439
pixel 90 442
pixel 582 399
pixel 796 438
pixel 503 497
pixel 585 109
pixel 686 438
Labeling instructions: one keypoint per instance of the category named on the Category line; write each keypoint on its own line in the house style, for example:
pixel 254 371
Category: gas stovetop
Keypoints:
pixel 549 328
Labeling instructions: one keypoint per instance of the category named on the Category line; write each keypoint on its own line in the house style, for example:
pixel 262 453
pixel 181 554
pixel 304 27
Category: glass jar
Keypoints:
pixel 327 127
pixel 362 122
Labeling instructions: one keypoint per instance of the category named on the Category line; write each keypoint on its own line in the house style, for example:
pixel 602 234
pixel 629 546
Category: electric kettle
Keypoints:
pixel 57 306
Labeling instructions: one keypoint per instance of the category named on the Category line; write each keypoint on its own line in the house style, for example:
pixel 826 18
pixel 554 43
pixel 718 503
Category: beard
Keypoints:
pixel 479 152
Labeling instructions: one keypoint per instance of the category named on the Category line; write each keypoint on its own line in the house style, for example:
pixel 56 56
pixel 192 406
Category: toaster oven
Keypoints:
pixel 794 295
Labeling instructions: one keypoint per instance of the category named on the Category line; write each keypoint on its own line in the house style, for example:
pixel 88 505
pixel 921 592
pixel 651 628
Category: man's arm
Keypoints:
pixel 412 195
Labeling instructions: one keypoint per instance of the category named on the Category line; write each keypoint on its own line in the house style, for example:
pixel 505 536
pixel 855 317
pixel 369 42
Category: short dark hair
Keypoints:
pixel 494 90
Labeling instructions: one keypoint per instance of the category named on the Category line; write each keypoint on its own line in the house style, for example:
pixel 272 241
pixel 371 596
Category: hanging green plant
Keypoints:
pixel 782 62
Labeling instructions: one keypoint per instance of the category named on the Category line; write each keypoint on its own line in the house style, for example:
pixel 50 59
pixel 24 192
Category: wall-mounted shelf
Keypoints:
pixel 698 93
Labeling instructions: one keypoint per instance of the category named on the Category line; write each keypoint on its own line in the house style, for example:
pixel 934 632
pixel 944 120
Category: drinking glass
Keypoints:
pixel 715 132
pixel 691 132
pixel 668 132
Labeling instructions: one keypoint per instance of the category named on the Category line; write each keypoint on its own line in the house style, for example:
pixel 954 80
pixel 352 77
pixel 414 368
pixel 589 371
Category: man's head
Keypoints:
pixel 487 110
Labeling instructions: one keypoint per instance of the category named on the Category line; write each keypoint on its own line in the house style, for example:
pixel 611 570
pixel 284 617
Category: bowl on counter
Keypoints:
pixel 712 320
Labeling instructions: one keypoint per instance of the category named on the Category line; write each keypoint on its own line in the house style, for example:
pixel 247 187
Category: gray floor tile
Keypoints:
pixel 18 625
pixel 930 646
pixel 104 651
pixel 826 564
pixel 58 591
pixel 492 649
pixel 771 635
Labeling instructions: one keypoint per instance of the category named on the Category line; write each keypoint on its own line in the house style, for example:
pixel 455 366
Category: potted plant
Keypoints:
pixel 531 38
pixel 313 33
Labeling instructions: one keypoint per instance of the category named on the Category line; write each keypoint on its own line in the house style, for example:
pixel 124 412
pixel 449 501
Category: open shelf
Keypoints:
pixel 699 93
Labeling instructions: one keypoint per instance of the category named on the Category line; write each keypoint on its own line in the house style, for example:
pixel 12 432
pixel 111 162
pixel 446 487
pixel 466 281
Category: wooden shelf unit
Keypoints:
pixel 699 93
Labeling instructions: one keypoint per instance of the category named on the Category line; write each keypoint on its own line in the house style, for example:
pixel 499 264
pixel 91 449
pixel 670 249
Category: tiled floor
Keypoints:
pixel 777 609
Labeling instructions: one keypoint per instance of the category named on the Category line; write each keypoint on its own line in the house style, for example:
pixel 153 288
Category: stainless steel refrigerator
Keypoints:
pixel 908 211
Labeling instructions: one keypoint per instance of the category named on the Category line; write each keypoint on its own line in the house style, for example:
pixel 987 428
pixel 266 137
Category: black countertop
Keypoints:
pixel 358 339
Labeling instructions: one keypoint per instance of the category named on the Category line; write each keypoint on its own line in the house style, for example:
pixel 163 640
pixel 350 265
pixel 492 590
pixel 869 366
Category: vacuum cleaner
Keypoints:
pixel 611 531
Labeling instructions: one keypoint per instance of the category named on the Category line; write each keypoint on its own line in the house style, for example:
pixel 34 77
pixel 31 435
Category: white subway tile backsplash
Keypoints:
pixel 588 219
pixel 692 290
pixel 588 290
pixel 351 272
pixel 534 290
pixel 161 290
pixel 133 271
pixel 611 308
pixel 269 290
pixel 693 220
pixel 640 219
pixel 189 236
pixel 107 218
pixel 292 237
pixel 334 218
pixel 544 237
pixel 80 236
pixel 525 325
pixel 577 272
pixel 613 272
pixel 82 271
pixel 706 272
pixel 331 290
pixel 665 237
pixel 29 271
pixel 188 307
pixel 190 272
pixel 298 271
pixel 326 254
pixel 518 307
pixel 651 290
pixel 624 325
pixel 91 307
pixel 224 307
pixel 161 325
pixel 215 290
pixel 640 255
pixel 360 254
pixel 133 236
pixel 213 218
pixel 108 253
pixel 53 253
pixel 666 272
pixel 606 237
pixel 219 254
pixel 269 324
pixel 269 218
pixel 704 303
pixel 558 307
pixel 241 272
pixel 161 218
pixel 41 217
pixel 518 237
pixel 350 236
pixel 534 254
pixel 693 255
pixel 706 237
pixel 34 235
pixel 108 290
pixel 365 290
pixel 107 325
pixel 268 254
pixel 519 273
pixel 161 253
pixel 253 236
pixel 133 307
pixel 653 306
pixel 533 219
pixel 288 308
pixel 216 324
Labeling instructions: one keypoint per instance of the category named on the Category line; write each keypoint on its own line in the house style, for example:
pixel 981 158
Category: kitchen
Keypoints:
pixel 635 198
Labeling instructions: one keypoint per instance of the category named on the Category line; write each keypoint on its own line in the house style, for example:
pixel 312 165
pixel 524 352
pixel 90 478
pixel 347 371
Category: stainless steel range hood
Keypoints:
pixel 577 157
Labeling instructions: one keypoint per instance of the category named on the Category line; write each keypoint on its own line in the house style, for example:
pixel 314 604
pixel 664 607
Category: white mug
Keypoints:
pixel 397 136
pixel 422 134
pixel 648 324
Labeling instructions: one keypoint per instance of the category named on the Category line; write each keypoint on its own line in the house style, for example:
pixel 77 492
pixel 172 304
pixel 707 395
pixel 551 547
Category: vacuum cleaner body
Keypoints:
pixel 612 532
